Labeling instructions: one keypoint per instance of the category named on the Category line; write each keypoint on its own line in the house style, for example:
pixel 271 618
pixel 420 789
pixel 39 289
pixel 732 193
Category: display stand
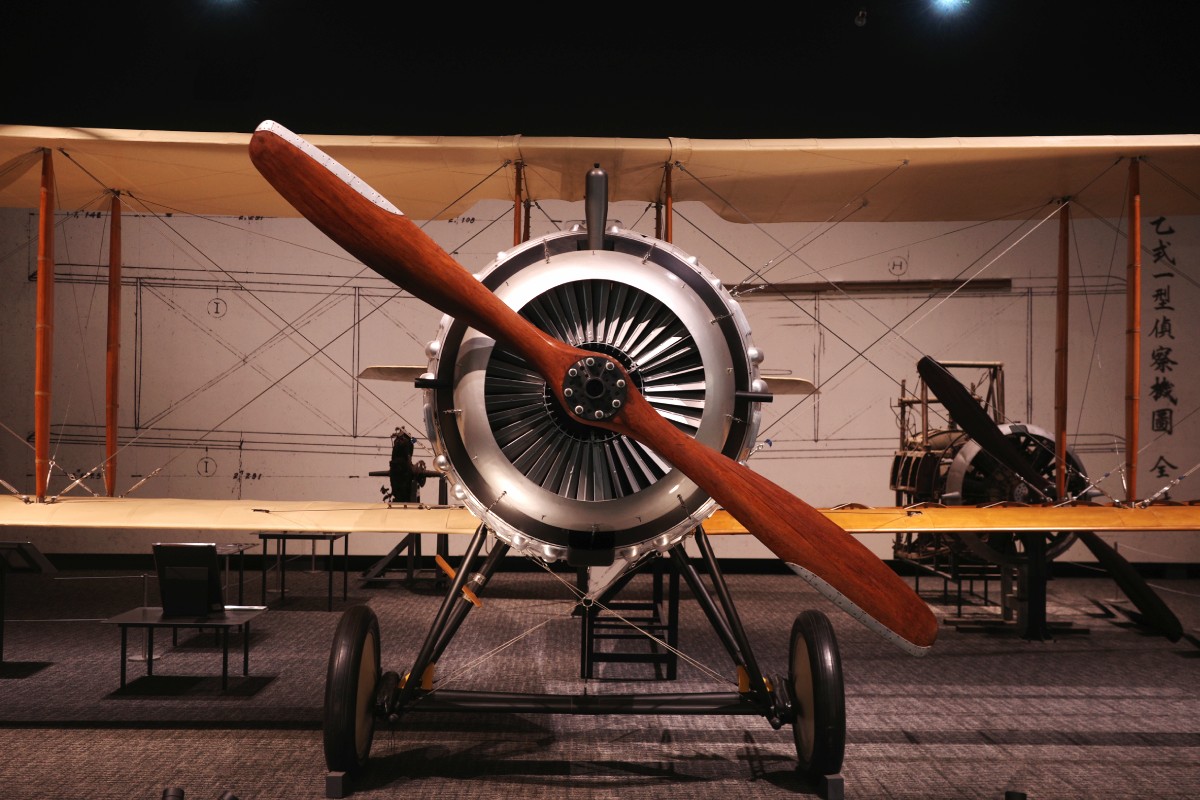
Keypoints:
pixel 610 618
pixel 150 617
pixel 832 787
pixel 410 545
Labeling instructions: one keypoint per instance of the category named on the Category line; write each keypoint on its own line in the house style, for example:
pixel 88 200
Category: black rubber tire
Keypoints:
pixel 815 673
pixel 350 691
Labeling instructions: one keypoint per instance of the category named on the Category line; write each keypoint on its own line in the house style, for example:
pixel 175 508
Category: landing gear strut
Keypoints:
pixel 810 698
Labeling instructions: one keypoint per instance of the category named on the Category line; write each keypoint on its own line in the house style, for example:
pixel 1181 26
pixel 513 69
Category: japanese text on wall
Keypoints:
pixel 1162 351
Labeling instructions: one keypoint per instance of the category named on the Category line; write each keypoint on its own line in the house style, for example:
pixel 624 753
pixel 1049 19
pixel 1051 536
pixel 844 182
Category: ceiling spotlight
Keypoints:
pixel 860 18
pixel 949 6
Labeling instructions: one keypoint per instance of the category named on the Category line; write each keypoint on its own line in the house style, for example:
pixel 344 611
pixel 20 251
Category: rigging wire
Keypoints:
pixel 197 440
pixel 930 298
pixel 290 327
pixel 146 206
pixel 305 317
pixel 1093 322
pixel 791 250
pixel 219 267
pixel 582 595
pixel 244 360
pixel 577 601
pixel 830 222
pixel 228 417
pixel 503 165
pixel 861 354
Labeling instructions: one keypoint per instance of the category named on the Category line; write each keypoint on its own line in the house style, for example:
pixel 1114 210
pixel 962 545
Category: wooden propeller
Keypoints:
pixel 975 422
pixel 593 389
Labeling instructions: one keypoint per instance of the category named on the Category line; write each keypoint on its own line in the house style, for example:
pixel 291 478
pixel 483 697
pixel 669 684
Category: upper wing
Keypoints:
pixel 743 180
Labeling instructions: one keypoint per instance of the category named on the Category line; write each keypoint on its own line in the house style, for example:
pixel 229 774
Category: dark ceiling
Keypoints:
pixel 993 68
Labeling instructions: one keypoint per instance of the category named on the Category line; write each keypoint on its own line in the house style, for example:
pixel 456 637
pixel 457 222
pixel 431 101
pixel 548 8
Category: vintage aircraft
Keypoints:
pixel 594 395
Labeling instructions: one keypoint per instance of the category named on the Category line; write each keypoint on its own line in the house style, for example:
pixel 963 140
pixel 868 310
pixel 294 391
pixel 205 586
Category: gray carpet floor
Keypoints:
pixel 1104 709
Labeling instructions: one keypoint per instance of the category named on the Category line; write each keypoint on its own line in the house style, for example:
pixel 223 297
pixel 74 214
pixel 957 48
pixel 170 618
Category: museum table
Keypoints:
pixel 238 549
pixel 151 617
pixel 281 538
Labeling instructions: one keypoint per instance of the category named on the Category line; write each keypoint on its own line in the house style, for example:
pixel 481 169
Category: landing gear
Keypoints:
pixel 811 697
pixel 815 674
pixel 350 691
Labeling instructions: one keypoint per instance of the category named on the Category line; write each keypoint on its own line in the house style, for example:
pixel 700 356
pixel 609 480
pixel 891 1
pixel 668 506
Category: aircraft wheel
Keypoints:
pixel 350 690
pixel 815 672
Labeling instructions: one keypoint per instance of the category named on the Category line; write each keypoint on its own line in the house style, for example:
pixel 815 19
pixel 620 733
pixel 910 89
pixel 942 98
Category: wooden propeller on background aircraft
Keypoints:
pixel 975 422
pixel 594 389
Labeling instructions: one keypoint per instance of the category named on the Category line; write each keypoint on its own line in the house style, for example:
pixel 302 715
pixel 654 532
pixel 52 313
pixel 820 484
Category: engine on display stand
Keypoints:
pixel 939 463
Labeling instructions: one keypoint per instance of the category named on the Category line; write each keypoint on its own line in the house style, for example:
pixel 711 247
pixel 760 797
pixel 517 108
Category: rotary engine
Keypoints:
pixel 948 467
pixel 548 485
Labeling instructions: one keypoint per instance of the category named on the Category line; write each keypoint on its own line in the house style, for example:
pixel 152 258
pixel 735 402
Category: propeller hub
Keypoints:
pixel 594 388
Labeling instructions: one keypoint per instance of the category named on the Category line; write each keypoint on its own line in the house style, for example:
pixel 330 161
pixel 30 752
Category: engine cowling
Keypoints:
pixel 556 489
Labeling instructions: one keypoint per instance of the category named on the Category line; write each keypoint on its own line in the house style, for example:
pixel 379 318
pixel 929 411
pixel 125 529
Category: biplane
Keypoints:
pixel 594 395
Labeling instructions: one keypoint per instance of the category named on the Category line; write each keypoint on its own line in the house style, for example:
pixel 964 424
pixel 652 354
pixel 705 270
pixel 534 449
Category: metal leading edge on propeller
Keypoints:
pixel 370 228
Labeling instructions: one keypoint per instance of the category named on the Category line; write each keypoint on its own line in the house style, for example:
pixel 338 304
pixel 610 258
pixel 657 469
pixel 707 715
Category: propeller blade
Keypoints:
pixel 1155 612
pixel 377 233
pixel 976 423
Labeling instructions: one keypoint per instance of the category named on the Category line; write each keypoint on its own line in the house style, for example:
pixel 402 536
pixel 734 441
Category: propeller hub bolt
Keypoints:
pixel 596 387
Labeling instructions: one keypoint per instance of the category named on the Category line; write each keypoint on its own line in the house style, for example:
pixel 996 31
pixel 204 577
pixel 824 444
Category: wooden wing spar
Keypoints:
pixel 364 223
